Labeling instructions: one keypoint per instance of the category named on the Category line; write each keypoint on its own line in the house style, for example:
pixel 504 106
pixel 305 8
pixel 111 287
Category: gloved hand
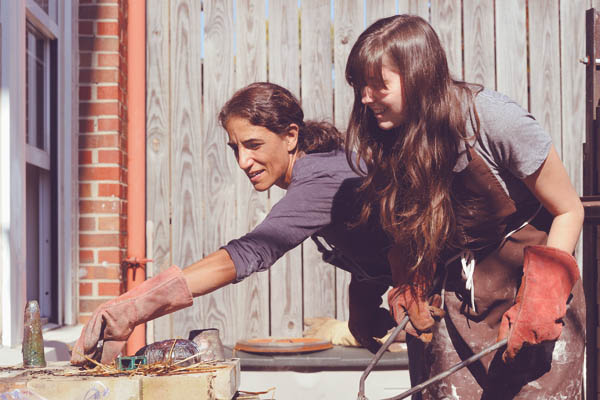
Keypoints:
pixel 422 313
pixel 549 275
pixel 337 332
pixel 114 320
pixel 367 320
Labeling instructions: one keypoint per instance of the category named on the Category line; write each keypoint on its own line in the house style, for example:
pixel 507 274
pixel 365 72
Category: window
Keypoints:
pixel 40 177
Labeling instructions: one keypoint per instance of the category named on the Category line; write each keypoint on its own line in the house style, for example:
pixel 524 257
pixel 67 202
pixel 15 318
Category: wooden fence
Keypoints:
pixel 200 52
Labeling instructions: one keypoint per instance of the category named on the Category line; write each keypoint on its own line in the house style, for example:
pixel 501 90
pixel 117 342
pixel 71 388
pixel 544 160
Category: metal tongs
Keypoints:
pixel 421 386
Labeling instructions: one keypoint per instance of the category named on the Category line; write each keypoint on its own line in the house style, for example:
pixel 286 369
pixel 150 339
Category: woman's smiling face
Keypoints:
pixel 266 157
pixel 386 103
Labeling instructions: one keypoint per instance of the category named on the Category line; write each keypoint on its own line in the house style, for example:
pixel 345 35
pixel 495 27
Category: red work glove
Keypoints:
pixel 114 320
pixel 549 275
pixel 367 320
pixel 422 313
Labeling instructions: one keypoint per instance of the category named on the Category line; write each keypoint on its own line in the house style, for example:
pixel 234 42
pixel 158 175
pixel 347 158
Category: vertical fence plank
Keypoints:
pixel 480 65
pixel 446 18
pixel 347 25
pixel 544 72
pixel 511 50
pixel 572 34
pixel 375 10
pixel 158 182
pixel 284 69
pixel 414 7
pixel 186 146
pixel 316 84
pixel 252 294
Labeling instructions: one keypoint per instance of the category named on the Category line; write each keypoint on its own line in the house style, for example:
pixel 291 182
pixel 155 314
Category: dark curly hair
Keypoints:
pixel 275 108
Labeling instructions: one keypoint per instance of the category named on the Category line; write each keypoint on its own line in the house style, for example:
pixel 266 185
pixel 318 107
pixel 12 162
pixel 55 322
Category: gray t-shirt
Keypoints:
pixel 513 143
pixel 320 201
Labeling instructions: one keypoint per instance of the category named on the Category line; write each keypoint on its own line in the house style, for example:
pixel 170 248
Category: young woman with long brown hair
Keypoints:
pixel 273 145
pixel 482 213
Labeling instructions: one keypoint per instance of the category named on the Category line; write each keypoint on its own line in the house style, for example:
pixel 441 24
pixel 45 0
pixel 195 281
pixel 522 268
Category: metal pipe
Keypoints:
pixel 450 370
pixel 377 357
pixel 136 152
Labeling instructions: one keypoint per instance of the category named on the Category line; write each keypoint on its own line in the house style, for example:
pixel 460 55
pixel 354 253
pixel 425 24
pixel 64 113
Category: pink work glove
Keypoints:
pixel 422 312
pixel 549 275
pixel 367 319
pixel 114 320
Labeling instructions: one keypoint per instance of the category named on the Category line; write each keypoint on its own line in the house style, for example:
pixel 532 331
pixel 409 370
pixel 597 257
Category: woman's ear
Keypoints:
pixel 291 136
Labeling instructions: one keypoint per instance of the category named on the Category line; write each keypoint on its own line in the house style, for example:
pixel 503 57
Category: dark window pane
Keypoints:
pixel 36 88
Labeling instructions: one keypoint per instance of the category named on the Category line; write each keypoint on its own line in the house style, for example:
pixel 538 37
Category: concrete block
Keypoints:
pixel 55 388
pixel 227 380
pixel 189 386
pixel 51 384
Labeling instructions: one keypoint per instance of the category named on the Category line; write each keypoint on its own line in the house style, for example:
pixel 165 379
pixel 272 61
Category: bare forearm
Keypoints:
pixel 565 230
pixel 211 273
pixel 552 186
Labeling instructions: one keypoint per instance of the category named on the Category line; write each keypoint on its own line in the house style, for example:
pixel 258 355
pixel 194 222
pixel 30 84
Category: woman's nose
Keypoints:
pixel 244 159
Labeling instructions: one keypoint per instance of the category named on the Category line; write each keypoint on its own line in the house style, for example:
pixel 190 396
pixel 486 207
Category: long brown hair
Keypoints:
pixel 275 108
pixel 409 170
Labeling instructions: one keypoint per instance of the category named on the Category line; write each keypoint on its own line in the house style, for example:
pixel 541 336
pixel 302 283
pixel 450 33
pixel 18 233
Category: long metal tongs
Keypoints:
pixel 421 386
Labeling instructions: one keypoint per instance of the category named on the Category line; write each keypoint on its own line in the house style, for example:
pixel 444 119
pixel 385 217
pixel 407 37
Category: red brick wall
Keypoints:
pixel 102 151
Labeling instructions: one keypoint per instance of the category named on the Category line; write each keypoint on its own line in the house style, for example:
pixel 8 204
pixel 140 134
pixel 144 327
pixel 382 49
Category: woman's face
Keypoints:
pixel 266 157
pixel 386 103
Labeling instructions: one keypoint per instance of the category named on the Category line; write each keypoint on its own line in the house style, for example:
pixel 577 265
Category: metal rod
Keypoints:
pixel 377 357
pixel 450 371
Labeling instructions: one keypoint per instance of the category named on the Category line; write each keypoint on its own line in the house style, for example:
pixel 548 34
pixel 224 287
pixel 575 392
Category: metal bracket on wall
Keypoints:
pixel 132 263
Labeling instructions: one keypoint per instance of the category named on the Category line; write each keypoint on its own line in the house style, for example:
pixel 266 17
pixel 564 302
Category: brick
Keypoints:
pixel 86 27
pixel 111 272
pixel 99 240
pixel 85 190
pixel 98 44
pixel 87 224
pixel 107 92
pixel 98 109
pixel 108 124
pixel 87 125
pixel 108 224
pixel 107 28
pixel 94 141
pixel 85 157
pixel 86 256
pixel 85 288
pixel 90 305
pixel 109 288
pixel 98 12
pixel 108 60
pixel 85 59
pixel 99 206
pixel 83 319
pixel 85 93
pixel 93 75
pixel 99 173
pixel 110 189
pixel 109 256
pixel 109 157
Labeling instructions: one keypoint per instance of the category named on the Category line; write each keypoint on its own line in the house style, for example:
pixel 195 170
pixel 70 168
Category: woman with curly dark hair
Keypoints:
pixel 274 146
pixel 482 213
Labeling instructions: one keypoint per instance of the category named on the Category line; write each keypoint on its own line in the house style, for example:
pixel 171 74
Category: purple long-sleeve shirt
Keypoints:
pixel 320 201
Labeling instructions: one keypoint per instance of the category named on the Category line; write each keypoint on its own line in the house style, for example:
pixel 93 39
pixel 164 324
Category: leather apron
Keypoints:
pixel 552 370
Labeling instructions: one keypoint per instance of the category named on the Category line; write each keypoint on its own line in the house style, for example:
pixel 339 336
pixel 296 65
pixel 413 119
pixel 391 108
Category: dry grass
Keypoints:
pixel 167 367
